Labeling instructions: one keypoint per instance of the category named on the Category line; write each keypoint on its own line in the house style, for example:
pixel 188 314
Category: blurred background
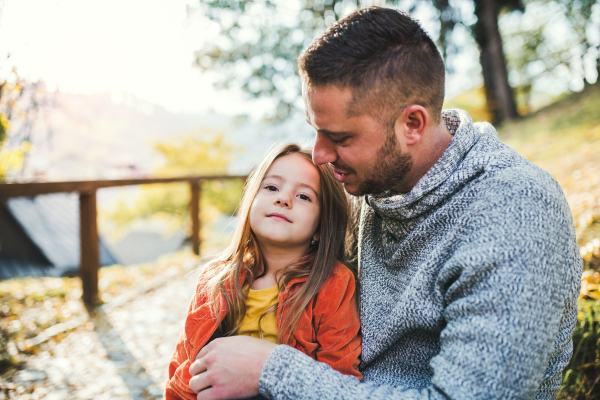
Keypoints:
pixel 131 89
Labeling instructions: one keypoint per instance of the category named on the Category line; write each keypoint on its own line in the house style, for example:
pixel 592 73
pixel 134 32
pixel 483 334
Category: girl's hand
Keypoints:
pixel 229 368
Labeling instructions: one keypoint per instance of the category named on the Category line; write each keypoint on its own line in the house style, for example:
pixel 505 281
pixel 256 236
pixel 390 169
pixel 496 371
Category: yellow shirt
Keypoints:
pixel 256 304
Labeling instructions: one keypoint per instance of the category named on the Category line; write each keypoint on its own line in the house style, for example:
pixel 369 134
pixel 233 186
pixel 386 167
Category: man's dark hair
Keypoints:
pixel 384 57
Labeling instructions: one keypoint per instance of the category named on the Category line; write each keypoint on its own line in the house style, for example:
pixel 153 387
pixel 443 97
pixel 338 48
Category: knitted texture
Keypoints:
pixel 469 285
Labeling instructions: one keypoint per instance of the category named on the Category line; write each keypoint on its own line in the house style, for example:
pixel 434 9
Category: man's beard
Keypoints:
pixel 390 168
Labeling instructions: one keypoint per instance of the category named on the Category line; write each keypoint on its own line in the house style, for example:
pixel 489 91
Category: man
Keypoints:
pixel 468 266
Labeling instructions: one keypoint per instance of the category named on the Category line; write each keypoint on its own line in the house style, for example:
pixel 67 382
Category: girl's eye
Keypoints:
pixel 271 188
pixel 304 197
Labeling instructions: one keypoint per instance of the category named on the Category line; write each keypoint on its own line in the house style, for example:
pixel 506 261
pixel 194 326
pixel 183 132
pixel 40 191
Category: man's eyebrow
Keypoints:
pixel 333 134
pixel 281 178
pixel 328 132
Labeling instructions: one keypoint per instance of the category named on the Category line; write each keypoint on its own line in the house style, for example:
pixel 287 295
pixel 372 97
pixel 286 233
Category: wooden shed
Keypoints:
pixel 39 236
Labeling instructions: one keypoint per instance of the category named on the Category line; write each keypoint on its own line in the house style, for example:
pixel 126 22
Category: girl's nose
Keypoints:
pixel 283 201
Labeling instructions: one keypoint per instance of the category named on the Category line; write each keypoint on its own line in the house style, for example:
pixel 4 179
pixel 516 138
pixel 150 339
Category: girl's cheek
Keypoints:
pixel 252 217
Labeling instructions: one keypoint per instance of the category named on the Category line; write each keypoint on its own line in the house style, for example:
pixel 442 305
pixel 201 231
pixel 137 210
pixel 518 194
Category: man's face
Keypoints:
pixel 365 155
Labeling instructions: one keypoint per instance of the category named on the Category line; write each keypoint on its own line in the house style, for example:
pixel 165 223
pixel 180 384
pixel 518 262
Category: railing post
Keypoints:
pixel 89 242
pixel 195 214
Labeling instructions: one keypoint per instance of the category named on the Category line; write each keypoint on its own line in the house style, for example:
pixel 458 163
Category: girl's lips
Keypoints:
pixel 278 217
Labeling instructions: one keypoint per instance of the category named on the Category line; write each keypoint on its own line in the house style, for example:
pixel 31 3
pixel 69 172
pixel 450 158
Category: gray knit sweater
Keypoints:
pixel 469 285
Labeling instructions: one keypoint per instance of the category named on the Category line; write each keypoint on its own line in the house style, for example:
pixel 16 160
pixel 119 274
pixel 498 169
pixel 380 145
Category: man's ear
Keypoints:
pixel 411 124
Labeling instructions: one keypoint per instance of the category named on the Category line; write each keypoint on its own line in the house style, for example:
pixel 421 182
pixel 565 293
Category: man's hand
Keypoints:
pixel 229 368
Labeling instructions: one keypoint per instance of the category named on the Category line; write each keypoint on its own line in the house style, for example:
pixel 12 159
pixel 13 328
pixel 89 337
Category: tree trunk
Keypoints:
pixel 598 66
pixel 499 96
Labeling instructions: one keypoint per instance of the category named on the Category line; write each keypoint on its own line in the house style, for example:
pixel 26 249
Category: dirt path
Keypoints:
pixel 122 353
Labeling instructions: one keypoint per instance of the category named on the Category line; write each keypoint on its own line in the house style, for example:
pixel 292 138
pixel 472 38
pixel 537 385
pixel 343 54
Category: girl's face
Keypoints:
pixel 285 211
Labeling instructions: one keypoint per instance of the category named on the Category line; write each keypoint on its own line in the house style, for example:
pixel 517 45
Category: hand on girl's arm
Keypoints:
pixel 229 368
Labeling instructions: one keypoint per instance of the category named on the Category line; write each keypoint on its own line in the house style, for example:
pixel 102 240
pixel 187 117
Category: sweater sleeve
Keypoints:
pixel 509 291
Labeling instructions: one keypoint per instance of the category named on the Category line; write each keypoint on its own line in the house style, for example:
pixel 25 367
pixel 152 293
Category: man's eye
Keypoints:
pixel 340 141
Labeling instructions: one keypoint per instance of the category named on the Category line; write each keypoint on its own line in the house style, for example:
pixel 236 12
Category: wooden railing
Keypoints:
pixel 88 226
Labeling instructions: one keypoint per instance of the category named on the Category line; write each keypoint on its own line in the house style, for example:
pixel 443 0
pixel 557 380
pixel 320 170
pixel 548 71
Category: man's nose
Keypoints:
pixel 324 150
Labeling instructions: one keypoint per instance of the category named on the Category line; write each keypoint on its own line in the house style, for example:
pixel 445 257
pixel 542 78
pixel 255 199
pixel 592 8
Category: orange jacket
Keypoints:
pixel 334 338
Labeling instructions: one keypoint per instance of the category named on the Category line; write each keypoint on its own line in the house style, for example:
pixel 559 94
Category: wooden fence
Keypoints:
pixel 88 226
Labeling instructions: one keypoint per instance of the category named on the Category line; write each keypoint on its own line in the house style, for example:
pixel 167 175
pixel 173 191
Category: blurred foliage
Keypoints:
pixel 3 128
pixel 537 55
pixel 472 100
pixel 206 153
pixel 590 280
pixel 20 105
pixel 453 13
pixel 12 159
pixel 581 380
pixel 483 26
pixel 258 42
pixel 579 14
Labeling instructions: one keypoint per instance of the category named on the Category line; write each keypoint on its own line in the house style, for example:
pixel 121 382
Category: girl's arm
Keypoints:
pixel 337 323
pixel 199 326
pixel 177 386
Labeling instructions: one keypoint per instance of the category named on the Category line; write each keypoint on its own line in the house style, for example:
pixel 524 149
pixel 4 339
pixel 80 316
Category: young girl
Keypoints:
pixel 281 278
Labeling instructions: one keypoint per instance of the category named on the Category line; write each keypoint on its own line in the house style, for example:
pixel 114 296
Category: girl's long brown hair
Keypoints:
pixel 221 278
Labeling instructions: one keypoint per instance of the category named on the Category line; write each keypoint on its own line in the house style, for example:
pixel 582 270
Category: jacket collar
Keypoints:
pixel 300 279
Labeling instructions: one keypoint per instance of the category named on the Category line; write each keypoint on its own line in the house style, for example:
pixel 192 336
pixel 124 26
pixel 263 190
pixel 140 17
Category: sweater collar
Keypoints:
pixel 424 197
